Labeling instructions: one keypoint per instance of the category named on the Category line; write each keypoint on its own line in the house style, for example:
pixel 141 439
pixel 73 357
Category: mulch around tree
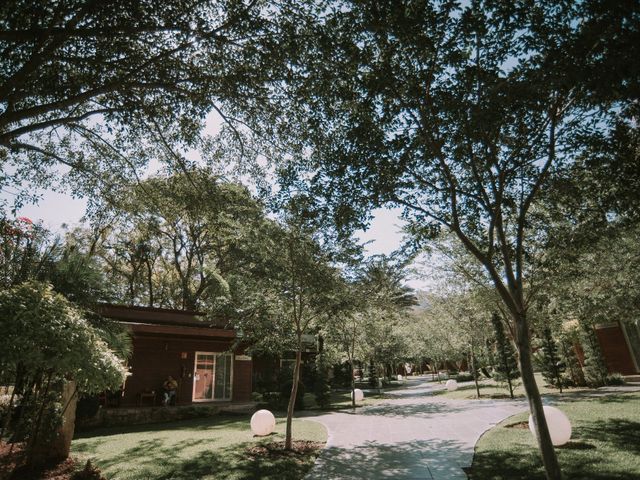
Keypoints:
pixel 523 425
pixel 12 466
pixel 300 450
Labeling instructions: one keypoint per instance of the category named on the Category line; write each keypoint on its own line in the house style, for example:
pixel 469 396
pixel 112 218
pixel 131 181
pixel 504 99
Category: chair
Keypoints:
pixel 147 394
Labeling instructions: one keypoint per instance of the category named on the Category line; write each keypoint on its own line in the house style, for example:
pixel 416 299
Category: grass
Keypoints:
pixel 341 401
pixel 210 448
pixel 605 443
pixel 490 389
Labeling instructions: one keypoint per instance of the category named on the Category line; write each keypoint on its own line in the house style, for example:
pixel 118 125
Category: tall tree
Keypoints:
pixel 307 282
pixel 83 83
pixel 177 241
pixel 459 114
pixel 507 366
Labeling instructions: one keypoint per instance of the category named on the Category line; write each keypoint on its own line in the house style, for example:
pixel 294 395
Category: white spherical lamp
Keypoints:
pixel 451 385
pixel 263 423
pixel 558 423
pixel 357 394
pixel 399 378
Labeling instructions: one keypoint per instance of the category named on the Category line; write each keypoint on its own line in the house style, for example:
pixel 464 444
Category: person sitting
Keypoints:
pixel 170 387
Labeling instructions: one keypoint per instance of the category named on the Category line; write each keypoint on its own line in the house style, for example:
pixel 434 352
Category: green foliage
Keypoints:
pixel 89 472
pixel 47 341
pixel 285 383
pixel 464 376
pixel 506 369
pixel 42 331
pixel 188 241
pixel 595 370
pixel 28 252
pixel 568 338
pixel 549 359
pixel 615 379
pixel 25 252
pixel 322 385
pixel 84 85
pixel 372 374
pixel 342 374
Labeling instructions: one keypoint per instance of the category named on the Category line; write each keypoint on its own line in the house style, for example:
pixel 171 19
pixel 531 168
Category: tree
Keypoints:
pixel 47 341
pixel 182 241
pixel 82 82
pixel 307 282
pixel 459 114
pixel 25 251
pixel 507 367
pixel 322 386
pixel 551 365
pixel 345 329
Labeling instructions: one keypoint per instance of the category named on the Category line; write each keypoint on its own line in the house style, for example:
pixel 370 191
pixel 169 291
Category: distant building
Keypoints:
pixel 620 344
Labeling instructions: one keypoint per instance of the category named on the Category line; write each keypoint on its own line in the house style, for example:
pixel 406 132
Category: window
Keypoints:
pixel 212 376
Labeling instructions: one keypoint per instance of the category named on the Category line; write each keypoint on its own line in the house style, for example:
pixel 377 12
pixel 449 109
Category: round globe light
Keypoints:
pixel 359 395
pixel 451 385
pixel 558 423
pixel 263 423
pixel 399 378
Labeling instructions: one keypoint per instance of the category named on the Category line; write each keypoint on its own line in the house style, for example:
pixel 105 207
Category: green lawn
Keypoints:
pixel 209 448
pixel 342 400
pixel 490 389
pixel 605 444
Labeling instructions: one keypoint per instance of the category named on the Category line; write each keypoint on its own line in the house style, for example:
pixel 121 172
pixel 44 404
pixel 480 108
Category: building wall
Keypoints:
pixel 615 349
pixel 156 357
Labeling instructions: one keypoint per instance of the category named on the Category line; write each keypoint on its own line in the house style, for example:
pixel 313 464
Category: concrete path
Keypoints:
pixel 414 435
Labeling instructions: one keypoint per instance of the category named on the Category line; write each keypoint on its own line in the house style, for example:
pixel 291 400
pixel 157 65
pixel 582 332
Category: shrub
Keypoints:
pixel 342 374
pixel 506 370
pixel 89 472
pixel 322 386
pixel 257 397
pixel 549 361
pixel 272 399
pixel 464 377
pixel 615 379
pixel 285 382
pixel 46 342
pixel 87 407
pixel 595 370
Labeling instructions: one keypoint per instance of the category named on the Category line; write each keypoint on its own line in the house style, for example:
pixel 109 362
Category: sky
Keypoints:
pixel 383 236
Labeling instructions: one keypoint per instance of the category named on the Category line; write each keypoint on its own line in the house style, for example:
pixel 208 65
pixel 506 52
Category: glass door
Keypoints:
pixel 212 376
pixel 203 377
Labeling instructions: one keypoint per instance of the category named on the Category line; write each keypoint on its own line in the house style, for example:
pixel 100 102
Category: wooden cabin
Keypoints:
pixel 620 345
pixel 203 357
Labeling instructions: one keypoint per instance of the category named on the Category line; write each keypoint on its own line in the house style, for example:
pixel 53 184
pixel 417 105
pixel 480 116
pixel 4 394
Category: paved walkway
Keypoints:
pixel 412 436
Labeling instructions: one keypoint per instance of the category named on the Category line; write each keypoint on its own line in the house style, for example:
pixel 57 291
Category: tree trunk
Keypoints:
pixel 475 371
pixel 294 392
pixel 62 444
pixel 510 386
pixel 549 459
pixel 353 387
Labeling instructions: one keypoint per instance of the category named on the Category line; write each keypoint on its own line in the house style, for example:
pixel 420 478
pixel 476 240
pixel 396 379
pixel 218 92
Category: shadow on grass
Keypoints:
pixel 154 459
pixel 195 424
pixel 231 462
pixel 528 466
pixel 621 433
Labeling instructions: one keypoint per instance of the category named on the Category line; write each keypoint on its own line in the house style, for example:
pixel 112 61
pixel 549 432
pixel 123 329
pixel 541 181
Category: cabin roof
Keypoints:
pixel 159 316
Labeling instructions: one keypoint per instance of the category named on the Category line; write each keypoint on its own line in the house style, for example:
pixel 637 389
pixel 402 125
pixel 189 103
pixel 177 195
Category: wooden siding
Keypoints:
pixel 242 380
pixel 155 357
pixel 615 350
